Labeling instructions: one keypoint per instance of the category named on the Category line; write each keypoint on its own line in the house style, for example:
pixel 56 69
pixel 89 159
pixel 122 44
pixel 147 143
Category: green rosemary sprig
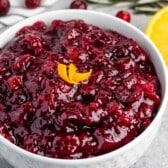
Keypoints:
pixel 150 6
pixel 139 6
pixel 107 1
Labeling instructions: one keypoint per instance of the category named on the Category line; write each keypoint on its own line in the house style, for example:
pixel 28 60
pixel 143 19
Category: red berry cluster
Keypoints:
pixel 5 5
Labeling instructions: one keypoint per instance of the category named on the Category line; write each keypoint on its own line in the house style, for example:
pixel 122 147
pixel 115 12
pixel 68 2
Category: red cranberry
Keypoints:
pixel 75 55
pixel 24 30
pixel 78 4
pixel 61 144
pixel 31 142
pixel 22 62
pixel 49 67
pixel 4 69
pixel 39 25
pixel 57 23
pixel 31 4
pixel 22 113
pixel 122 93
pixel 114 109
pixel 15 82
pixel 4 7
pixel 124 15
pixel 33 41
pixel 125 63
pixel 145 124
pixel 124 120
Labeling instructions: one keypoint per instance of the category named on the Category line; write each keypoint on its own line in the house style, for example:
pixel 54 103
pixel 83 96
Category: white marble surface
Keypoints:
pixel 157 154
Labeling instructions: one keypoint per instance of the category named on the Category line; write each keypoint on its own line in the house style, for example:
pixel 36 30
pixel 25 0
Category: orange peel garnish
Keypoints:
pixel 69 74
pixel 71 71
pixel 62 72
pixel 78 77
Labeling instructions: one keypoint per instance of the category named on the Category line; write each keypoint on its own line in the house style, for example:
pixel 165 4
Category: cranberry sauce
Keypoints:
pixel 43 114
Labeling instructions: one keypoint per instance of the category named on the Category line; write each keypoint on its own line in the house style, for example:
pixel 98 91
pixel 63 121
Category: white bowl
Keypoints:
pixel 122 157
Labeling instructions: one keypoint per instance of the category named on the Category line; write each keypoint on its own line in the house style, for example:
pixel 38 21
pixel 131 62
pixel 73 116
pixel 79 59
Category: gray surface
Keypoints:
pixel 157 155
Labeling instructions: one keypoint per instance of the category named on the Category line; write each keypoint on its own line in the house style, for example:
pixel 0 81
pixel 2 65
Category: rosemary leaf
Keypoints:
pixel 151 6
pixel 107 1
pixel 99 1
pixel 145 10
pixel 144 2
pixel 139 6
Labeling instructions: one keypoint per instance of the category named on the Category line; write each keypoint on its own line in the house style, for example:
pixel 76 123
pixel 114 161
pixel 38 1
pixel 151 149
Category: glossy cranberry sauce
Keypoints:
pixel 43 114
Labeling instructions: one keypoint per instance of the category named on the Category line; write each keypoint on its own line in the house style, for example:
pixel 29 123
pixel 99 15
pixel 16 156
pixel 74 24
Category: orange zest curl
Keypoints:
pixel 69 74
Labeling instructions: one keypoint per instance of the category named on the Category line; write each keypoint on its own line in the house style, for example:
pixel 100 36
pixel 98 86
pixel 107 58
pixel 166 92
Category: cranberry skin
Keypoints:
pixel 22 62
pixel 22 114
pixel 24 30
pixel 33 41
pixel 49 67
pixel 124 15
pixel 78 4
pixel 15 82
pixel 32 143
pixel 31 4
pixel 4 7
pixel 39 26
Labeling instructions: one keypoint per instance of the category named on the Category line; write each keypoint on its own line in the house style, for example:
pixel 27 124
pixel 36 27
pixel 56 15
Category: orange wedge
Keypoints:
pixel 157 31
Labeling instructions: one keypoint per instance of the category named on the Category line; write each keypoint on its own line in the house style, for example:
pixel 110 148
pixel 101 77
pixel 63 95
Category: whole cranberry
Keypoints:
pixel 78 4
pixel 4 7
pixel 124 15
pixel 31 4
pixel 14 82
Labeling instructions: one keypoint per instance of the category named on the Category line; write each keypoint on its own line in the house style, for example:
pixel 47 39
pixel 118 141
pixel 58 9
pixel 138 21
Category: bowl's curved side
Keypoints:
pixel 122 157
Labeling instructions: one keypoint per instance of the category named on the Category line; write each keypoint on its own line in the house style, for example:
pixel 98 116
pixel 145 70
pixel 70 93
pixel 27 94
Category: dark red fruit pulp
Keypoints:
pixel 45 115
pixel 4 7
pixel 78 4
pixel 124 15
pixel 32 3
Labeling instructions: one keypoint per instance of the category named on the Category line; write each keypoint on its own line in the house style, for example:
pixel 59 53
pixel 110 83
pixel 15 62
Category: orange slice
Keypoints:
pixel 157 31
